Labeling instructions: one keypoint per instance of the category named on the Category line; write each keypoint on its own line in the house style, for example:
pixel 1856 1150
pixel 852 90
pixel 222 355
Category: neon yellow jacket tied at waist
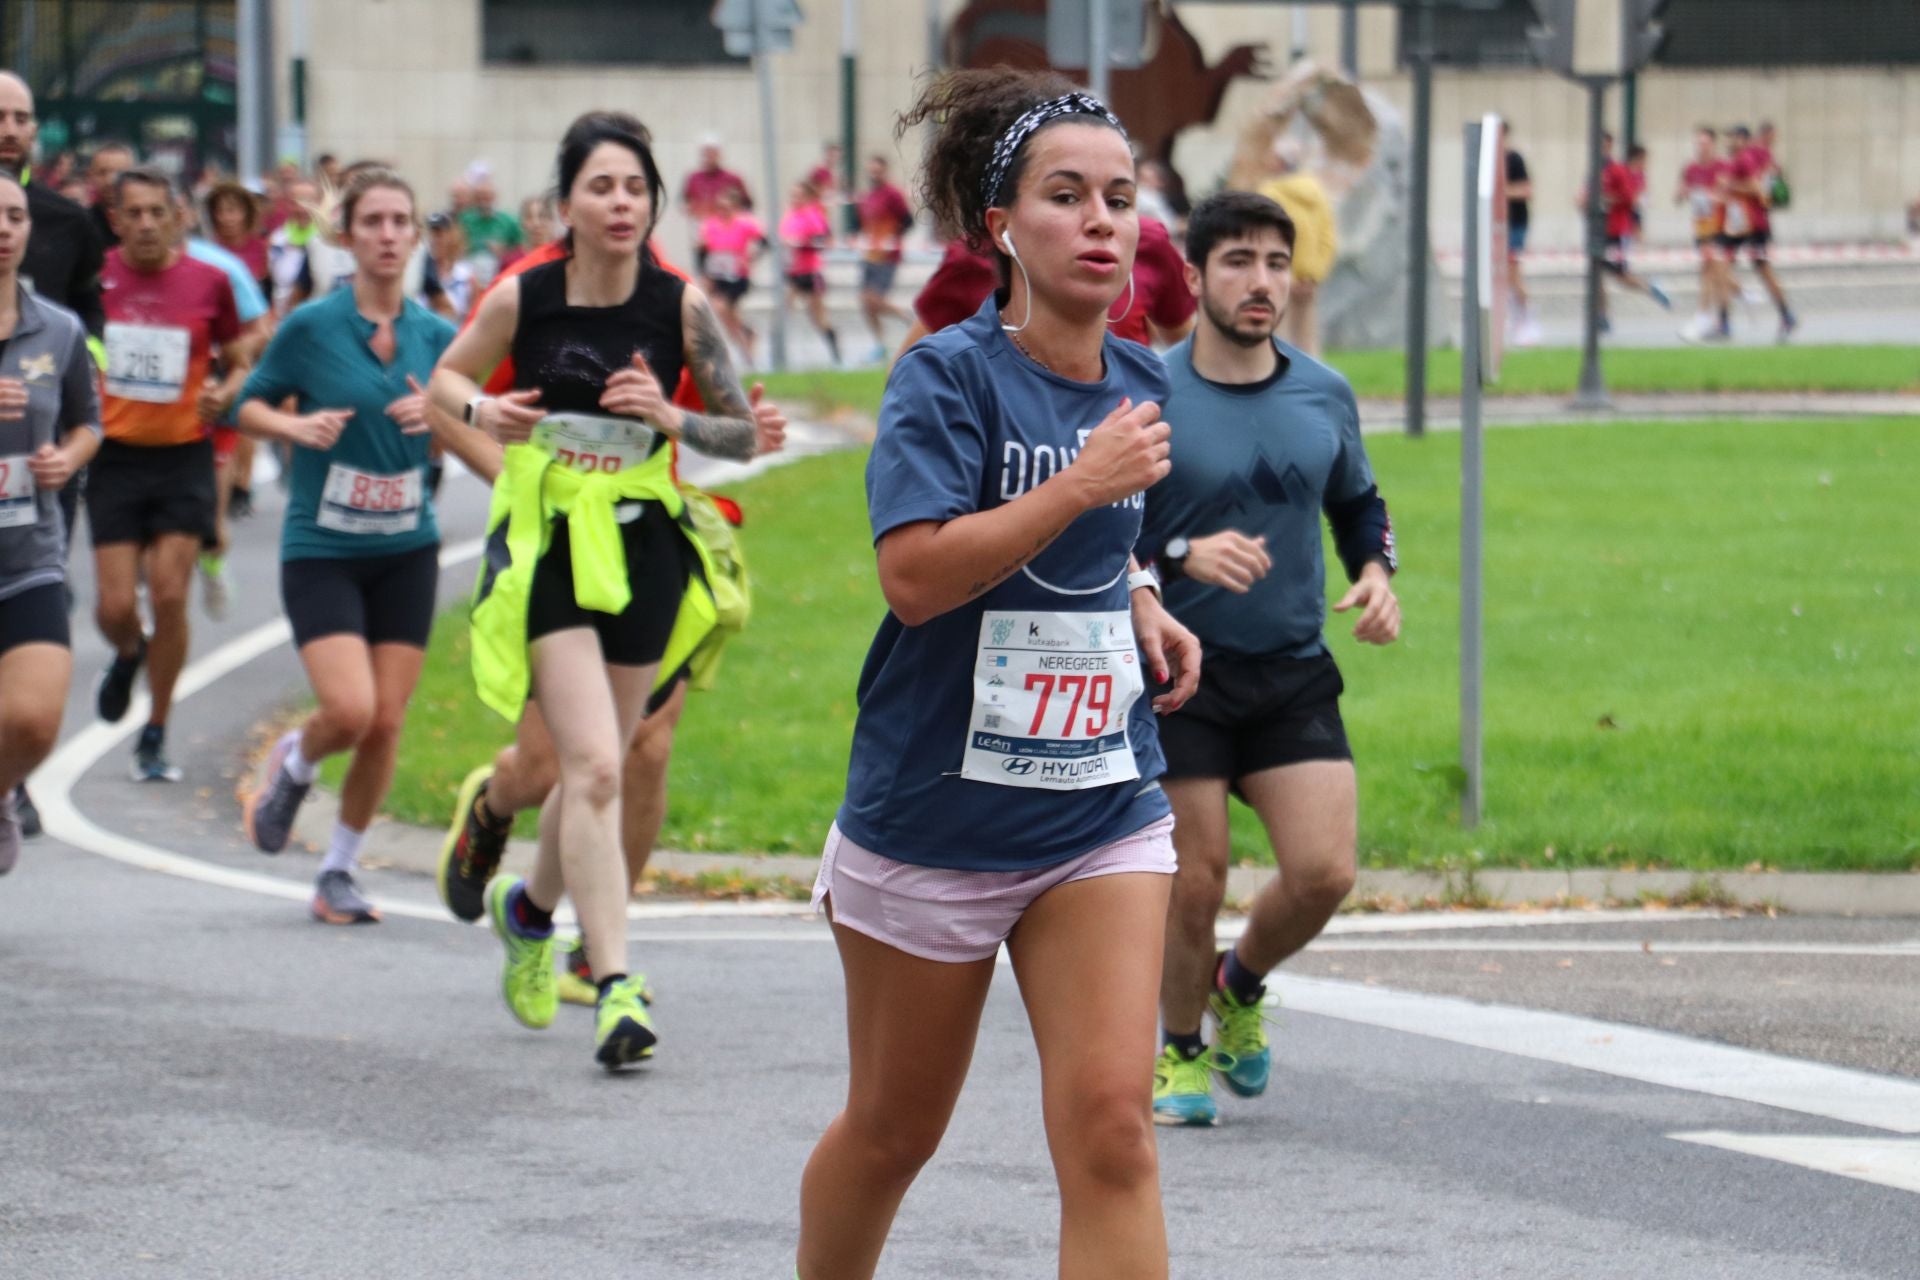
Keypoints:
pixel 531 491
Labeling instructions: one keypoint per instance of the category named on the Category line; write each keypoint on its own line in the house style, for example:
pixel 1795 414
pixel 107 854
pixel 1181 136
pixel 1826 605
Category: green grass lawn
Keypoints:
pixel 1533 372
pixel 1703 651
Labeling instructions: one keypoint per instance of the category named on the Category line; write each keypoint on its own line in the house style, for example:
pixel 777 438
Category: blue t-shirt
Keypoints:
pixel 969 424
pixel 378 474
pixel 248 301
pixel 1263 458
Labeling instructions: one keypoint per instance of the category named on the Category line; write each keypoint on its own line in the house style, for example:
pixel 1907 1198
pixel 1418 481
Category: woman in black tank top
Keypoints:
pixel 598 340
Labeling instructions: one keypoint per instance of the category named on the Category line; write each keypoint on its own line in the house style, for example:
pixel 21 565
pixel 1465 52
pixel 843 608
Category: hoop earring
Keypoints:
pixel 1124 310
pixel 1028 318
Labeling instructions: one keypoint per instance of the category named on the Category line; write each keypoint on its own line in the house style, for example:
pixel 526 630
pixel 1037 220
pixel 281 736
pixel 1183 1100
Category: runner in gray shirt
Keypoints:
pixel 1265 440
pixel 49 428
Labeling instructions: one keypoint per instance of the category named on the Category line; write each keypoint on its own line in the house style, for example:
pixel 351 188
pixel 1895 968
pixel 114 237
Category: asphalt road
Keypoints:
pixel 196 1081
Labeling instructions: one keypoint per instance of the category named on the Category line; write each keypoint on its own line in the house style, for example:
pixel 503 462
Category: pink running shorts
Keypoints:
pixel 961 916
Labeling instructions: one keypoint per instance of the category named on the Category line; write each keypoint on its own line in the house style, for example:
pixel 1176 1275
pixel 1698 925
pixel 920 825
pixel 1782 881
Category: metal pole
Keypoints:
pixel 1629 110
pixel 849 104
pixel 770 150
pixel 1350 40
pixel 1417 233
pixel 1099 47
pixel 1472 506
pixel 936 46
pixel 1300 32
pixel 1593 386
pixel 298 46
pixel 253 43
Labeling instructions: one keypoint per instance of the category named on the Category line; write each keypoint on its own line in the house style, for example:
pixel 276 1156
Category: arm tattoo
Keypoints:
pixel 727 430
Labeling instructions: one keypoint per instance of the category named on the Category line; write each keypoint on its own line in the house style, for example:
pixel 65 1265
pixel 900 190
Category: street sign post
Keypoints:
pixel 1494 258
pixel 1480 246
pixel 758 29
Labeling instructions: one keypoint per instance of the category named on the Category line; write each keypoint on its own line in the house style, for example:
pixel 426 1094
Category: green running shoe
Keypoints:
pixel 574 981
pixel 1241 1038
pixel 527 980
pixel 623 1033
pixel 1183 1088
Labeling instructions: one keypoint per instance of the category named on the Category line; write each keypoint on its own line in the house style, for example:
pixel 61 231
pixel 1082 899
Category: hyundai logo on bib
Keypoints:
pixel 1018 767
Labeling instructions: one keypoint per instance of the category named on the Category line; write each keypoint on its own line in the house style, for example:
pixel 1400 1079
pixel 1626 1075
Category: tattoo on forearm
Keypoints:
pixel 726 430
pixel 977 589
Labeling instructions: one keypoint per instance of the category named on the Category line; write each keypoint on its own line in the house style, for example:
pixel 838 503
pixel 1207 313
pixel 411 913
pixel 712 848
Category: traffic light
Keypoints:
pixel 1596 37
pixel 1643 34
pixel 1551 35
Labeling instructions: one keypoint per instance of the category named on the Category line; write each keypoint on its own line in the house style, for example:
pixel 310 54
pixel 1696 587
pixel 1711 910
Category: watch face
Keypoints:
pixel 1176 548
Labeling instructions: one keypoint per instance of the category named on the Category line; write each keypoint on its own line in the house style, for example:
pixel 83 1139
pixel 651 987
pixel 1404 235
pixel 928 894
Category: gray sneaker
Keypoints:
pixel 270 810
pixel 9 834
pixel 337 900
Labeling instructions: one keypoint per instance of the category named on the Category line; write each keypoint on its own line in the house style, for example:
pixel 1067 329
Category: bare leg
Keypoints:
pixel 116 568
pixel 33 693
pixel 1311 813
pixel 643 787
pixel 911 1025
pixel 1087 955
pixel 526 771
pixel 396 670
pixel 1200 837
pixel 170 563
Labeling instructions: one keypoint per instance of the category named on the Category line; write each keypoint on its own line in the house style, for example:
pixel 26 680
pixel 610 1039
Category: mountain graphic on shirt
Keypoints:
pixel 1264 485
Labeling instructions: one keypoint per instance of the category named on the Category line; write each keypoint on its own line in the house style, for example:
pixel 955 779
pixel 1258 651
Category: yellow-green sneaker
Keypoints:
pixel 527 979
pixel 623 1031
pixel 573 979
pixel 1183 1088
pixel 1244 1057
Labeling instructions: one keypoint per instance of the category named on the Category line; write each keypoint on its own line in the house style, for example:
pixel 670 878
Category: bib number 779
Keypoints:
pixel 1097 691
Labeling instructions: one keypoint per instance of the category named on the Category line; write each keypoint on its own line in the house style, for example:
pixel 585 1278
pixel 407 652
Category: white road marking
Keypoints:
pixel 1890 1162
pixel 1440 921
pixel 1596 946
pixel 1633 1053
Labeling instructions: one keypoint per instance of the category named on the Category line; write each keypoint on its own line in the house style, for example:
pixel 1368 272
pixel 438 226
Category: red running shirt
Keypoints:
pixel 161 330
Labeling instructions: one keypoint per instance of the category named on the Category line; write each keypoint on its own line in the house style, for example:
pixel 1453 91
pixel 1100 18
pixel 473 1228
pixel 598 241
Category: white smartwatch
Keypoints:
pixel 1146 578
pixel 473 408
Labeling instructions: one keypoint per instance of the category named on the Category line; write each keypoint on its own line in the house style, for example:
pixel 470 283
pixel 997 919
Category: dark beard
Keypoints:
pixel 1224 325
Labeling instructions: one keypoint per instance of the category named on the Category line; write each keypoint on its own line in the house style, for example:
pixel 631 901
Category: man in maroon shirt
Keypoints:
pixel 1621 187
pixel 1749 224
pixel 700 194
pixel 1159 307
pixel 885 218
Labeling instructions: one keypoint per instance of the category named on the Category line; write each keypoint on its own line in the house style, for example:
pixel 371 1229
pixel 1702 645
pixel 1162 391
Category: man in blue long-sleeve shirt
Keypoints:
pixel 1265 439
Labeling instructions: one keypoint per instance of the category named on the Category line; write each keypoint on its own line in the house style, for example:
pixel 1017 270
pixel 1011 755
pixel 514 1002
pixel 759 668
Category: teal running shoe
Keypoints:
pixel 1241 1041
pixel 1183 1089
pixel 526 982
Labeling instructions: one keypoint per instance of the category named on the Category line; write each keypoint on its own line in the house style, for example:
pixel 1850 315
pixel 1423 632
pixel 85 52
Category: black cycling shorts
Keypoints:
pixel 1252 714
pixel 657 569
pixel 385 599
pixel 136 494
pixel 37 615
pixel 731 290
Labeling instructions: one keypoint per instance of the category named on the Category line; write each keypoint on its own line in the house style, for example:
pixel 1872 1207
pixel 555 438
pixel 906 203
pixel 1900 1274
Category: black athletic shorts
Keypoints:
pixel 731 290
pixel 1252 714
pixel 37 615
pixel 135 493
pixel 657 569
pixel 807 282
pixel 387 599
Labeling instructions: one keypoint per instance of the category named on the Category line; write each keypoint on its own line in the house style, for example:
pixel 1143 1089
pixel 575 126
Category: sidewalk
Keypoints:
pixel 1443 413
pixel 401 847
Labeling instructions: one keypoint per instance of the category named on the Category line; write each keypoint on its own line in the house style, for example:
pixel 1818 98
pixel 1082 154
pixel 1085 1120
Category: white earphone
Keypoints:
pixel 1006 238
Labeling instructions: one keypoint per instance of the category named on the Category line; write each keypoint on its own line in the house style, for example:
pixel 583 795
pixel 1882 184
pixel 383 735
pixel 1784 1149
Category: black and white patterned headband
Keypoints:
pixel 1029 123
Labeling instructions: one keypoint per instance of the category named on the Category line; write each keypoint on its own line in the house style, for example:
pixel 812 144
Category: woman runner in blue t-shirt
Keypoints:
pixel 1002 784
pixel 359 552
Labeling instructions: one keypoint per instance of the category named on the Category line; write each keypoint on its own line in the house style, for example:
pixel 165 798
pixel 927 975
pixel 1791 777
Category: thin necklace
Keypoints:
pixel 1028 354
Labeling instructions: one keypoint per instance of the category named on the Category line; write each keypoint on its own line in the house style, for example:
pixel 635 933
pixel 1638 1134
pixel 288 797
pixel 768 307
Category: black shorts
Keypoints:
pixel 731 290
pixel 1252 714
pixel 808 282
pixel 657 568
pixel 37 615
pixel 135 494
pixel 387 599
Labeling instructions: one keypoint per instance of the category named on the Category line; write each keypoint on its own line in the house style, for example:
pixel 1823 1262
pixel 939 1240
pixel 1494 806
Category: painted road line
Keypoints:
pixel 1441 921
pixel 1890 1162
pixel 1897 950
pixel 1633 1053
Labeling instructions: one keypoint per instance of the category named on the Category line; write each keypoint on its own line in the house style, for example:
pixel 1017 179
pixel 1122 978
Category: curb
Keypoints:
pixel 1378 415
pixel 402 847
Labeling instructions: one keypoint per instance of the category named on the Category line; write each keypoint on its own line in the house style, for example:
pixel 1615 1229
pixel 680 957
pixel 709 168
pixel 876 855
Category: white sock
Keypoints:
pixel 343 853
pixel 298 767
